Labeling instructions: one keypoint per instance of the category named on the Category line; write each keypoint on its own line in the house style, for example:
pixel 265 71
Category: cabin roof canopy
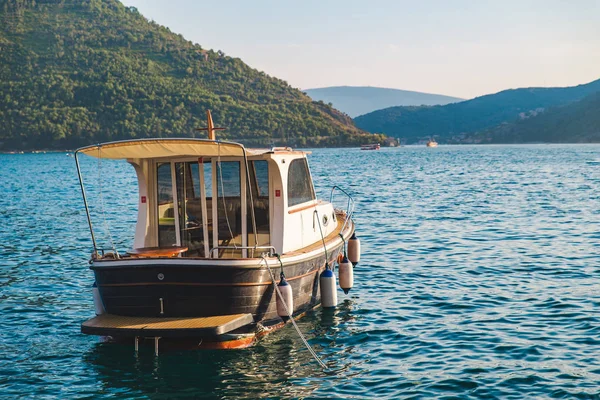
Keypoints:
pixel 160 148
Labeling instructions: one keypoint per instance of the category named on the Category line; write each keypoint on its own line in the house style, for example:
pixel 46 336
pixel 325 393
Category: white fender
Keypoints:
pixel 354 249
pixel 346 275
pixel 328 288
pixel 288 297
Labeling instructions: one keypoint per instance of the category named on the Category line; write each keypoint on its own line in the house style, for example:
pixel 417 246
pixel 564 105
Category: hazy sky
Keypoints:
pixel 456 47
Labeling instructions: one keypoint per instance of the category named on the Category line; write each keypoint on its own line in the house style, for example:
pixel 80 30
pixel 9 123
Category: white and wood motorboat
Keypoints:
pixel 218 226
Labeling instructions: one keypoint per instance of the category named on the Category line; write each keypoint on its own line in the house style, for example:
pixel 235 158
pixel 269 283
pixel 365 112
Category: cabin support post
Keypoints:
pixel 176 204
pixel 87 209
pixel 204 208
pixel 243 197
pixel 215 198
pixel 248 182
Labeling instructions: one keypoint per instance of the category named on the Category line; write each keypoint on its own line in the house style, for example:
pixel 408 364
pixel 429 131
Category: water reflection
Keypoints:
pixel 278 366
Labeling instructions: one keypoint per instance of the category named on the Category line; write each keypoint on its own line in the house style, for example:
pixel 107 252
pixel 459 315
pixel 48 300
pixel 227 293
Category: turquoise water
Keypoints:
pixel 480 278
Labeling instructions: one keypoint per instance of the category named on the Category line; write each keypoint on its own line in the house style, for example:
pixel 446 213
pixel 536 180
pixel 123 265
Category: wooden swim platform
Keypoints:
pixel 118 325
pixel 172 251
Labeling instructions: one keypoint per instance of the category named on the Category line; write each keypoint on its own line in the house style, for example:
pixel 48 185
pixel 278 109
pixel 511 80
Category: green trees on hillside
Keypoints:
pixel 577 122
pixel 456 121
pixel 78 72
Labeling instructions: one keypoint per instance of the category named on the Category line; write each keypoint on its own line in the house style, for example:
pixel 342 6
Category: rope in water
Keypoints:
pixel 287 310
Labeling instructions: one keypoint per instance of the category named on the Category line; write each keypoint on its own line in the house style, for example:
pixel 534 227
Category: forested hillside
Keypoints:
pixel 74 72
pixel 577 122
pixel 453 121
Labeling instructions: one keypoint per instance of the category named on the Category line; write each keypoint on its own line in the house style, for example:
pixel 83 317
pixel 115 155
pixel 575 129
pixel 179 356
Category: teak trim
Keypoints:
pixel 295 210
pixel 311 272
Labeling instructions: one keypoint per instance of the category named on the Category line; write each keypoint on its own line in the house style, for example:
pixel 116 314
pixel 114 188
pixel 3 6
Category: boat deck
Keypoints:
pixel 117 325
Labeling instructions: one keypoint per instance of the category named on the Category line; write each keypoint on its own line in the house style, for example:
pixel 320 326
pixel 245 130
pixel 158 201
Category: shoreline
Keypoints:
pixel 34 151
pixel 44 151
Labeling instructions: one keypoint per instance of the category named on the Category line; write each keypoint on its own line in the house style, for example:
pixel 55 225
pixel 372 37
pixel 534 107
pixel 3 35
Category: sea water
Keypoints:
pixel 479 278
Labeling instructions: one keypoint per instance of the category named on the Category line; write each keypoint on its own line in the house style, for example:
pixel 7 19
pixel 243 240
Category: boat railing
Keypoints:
pixel 102 253
pixel 217 248
pixel 349 206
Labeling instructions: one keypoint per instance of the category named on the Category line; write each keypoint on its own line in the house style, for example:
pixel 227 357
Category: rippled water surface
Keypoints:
pixel 479 278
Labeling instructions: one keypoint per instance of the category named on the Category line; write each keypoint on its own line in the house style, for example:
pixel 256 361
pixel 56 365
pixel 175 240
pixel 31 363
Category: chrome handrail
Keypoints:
pixel 85 202
pixel 349 207
pixel 350 199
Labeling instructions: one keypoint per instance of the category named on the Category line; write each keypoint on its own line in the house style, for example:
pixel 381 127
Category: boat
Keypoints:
pixel 432 143
pixel 223 234
pixel 374 146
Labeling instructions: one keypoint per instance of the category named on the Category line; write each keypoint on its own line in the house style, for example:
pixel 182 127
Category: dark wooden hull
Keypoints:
pixel 171 291
pixel 133 288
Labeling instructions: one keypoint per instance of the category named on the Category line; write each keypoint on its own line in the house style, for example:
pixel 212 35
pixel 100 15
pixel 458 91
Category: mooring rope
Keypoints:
pixel 322 237
pixel 287 310
pixel 220 168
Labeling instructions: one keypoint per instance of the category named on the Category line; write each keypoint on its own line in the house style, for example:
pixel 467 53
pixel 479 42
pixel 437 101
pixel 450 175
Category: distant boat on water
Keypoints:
pixel 432 143
pixel 375 146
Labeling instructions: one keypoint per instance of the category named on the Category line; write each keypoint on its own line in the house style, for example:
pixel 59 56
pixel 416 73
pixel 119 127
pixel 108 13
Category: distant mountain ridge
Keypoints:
pixel 359 100
pixel 75 72
pixel 453 121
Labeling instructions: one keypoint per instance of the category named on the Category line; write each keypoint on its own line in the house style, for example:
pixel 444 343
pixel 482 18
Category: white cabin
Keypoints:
pixel 221 200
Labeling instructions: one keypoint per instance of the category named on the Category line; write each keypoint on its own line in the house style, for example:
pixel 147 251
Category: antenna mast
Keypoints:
pixel 210 127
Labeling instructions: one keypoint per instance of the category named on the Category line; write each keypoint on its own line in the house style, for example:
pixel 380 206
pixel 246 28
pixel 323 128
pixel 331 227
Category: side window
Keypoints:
pixel 166 213
pixel 300 189
pixel 261 170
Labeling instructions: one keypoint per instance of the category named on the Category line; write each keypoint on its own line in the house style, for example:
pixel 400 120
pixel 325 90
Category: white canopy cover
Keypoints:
pixel 159 148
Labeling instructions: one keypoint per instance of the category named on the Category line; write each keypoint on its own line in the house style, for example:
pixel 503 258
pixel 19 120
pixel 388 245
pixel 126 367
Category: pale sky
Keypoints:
pixel 455 47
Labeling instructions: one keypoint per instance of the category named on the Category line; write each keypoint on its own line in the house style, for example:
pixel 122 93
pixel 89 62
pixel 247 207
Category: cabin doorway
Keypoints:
pixel 209 218
pixel 180 183
pixel 191 192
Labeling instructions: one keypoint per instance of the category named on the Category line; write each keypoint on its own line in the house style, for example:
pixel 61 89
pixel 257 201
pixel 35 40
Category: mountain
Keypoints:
pixel 577 122
pixel 75 72
pixel 359 100
pixel 481 113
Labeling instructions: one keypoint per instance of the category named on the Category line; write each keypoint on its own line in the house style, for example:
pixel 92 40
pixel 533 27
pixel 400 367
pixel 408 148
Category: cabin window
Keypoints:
pixel 259 182
pixel 300 188
pixel 208 180
pixel 261 177
pixel 229 204
pixel 166 213
pixel 190 208
pixel 205 204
